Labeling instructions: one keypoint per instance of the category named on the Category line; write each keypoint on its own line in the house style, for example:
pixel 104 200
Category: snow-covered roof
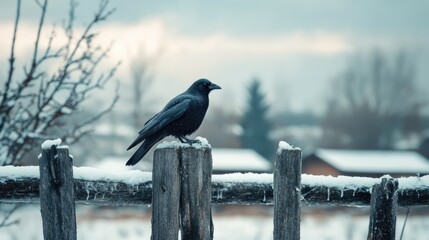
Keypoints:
pixel 224 159
pixel 238 159
pixel 374 161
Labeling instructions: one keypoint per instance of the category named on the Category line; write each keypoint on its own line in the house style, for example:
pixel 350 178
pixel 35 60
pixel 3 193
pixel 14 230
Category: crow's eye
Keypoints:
pixel 206 84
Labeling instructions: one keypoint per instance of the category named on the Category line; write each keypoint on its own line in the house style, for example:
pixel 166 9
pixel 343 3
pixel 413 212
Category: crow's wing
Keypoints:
pixel 150 119
pixel 174 110
pixel 165 117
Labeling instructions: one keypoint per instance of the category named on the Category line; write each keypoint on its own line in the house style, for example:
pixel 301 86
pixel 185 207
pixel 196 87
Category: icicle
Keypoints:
pixel 219 194
pixel 329 193
pixel 265 197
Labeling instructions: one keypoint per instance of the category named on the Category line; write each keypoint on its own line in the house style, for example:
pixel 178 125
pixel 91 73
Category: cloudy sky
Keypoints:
pixel 295 47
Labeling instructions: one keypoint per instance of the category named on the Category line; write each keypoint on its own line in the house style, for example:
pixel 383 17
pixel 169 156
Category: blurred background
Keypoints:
pixel 338 78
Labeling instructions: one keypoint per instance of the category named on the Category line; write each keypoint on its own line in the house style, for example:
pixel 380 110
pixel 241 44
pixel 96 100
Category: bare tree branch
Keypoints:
pixel 7 214
pixel 39 31
pixel 3 104
pixel 37 106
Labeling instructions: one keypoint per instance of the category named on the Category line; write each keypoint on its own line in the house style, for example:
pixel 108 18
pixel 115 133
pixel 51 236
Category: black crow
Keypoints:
pixel 181 116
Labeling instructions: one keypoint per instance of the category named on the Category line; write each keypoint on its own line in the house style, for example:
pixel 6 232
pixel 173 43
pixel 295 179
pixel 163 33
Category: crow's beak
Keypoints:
pixel 214 86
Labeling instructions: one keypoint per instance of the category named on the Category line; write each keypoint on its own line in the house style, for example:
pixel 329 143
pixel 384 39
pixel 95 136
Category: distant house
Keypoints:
pixel 225 160
pixel 424 147
pixel 370 163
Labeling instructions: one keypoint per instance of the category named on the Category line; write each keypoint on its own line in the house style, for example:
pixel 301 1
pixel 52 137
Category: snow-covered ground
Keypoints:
pixel 126 224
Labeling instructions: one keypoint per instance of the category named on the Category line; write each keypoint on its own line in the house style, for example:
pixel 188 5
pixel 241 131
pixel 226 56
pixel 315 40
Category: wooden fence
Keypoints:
pixel 182 189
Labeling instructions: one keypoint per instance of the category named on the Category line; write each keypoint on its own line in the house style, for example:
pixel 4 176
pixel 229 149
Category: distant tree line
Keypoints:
pixel 374 102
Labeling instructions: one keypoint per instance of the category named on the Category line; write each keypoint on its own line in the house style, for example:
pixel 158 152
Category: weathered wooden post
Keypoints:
pixel 182 191
pixel 195 200
pixel 287 192
pixel 57 192
pixel 384 205
pixel 165 194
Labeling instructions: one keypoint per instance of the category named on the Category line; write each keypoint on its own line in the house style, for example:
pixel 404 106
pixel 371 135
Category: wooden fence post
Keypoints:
pixel 165 194
pixel 384 204
pixel 287 193
pixel 57 194
pixel 195 200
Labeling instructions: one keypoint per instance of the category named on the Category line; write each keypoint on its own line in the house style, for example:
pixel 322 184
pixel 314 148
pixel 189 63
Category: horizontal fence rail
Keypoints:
pixel 134 187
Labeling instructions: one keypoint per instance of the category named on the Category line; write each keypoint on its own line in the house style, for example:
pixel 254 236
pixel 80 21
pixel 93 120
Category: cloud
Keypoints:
pixel 152 36
pixel 188 57
pixel 294 43
pixel 26 31
pixel 154 33
pixel 185 57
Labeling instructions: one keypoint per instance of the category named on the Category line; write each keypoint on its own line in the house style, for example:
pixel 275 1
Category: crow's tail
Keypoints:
pixel 143 149
pixel 138 140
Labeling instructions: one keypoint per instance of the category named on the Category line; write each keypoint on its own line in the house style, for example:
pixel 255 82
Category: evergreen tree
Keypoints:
pixel 255 124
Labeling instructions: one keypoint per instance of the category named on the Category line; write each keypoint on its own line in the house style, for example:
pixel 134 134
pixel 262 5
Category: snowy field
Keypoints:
pixel 126 224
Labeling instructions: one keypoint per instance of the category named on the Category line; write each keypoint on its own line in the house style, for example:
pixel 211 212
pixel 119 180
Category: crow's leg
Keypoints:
pixel 184 139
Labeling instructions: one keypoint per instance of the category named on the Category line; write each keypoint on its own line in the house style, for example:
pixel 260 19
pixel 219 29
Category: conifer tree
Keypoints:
pixel 255 124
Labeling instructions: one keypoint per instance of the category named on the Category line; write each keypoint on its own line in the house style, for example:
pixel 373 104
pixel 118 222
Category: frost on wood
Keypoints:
pixel 134 187
pixel 341 190
pixel 242 188
pixel 251 188
pixel 92 186
pixel 203 143
pixel 131 177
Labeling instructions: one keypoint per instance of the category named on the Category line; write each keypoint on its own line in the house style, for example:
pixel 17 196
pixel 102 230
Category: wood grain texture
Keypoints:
pixel 14 189
pixel 195 200
pixel 384 206
pixel 166 194
pixel 287 195
pixel 57 194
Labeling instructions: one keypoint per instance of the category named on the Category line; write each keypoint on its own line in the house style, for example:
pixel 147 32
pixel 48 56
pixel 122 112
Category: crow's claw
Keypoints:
pixel 189 141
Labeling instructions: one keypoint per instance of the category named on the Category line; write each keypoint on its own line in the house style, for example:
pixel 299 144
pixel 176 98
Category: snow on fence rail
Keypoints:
pixel 100 187
pixel 182 186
